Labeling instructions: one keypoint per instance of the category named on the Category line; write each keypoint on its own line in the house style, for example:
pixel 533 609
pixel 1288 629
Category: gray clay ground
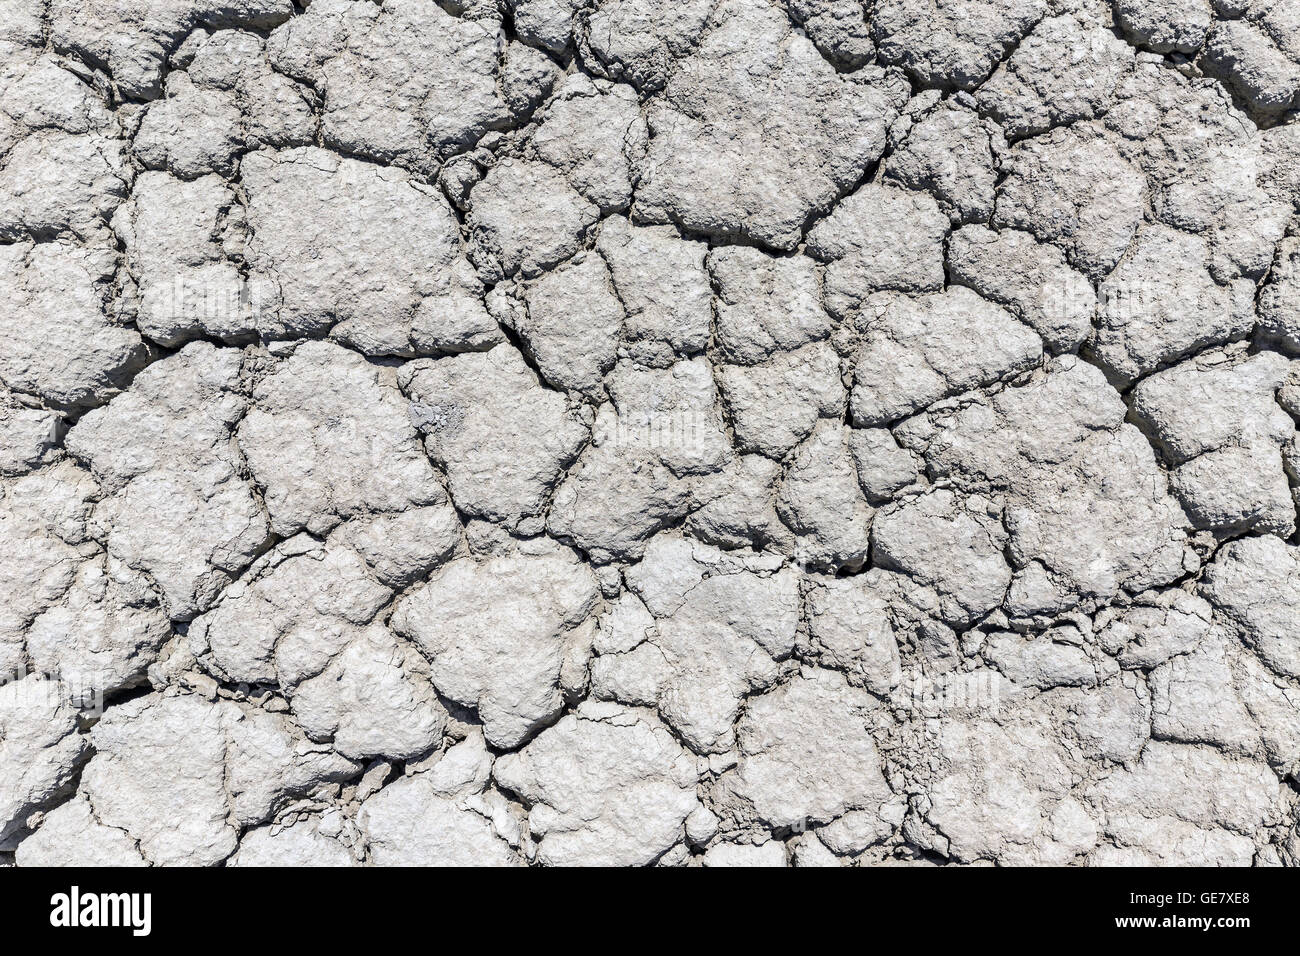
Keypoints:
pixel 723 432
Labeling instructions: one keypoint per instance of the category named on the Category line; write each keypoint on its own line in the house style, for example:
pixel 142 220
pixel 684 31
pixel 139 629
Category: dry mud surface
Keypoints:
pixel 678 432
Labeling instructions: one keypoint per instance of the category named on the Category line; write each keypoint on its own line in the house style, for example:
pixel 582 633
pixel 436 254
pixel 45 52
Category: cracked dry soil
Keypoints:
pixel 678 432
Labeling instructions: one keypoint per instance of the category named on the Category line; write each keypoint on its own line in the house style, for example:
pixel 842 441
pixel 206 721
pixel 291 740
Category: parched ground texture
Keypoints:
pixel 679 432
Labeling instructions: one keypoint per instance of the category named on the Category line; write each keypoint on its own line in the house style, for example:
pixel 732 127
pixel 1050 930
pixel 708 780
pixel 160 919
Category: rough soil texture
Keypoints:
pixel 671 432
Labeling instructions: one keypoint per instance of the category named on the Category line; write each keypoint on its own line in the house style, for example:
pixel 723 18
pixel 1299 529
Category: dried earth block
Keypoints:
pixel 649 432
